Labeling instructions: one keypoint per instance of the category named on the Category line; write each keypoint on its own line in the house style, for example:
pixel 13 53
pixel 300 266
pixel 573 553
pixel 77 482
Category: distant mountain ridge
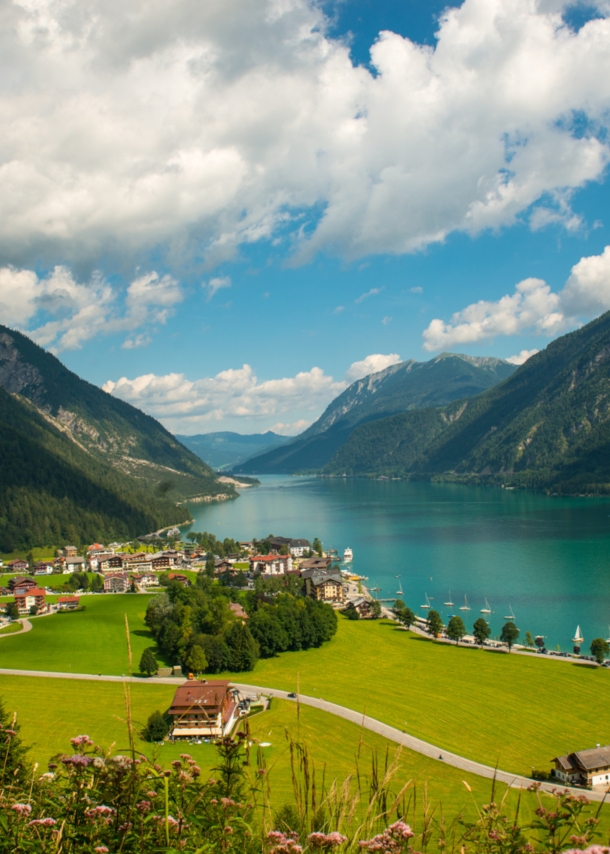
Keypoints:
pixel 546 426
pixel 226 449
pixel 399 388
pixel 76 462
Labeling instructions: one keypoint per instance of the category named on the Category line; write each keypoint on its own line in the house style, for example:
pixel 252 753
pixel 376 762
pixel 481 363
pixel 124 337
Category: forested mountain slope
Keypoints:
pixel 102 425
pixel 548 425
pixel 77 465
pixel 399 388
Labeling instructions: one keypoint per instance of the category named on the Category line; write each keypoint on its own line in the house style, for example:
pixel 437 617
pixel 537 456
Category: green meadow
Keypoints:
pixel 516 711
pixel 51 711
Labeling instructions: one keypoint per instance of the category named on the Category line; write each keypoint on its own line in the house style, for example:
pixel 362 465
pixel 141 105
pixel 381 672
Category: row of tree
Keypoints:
pixel 481 631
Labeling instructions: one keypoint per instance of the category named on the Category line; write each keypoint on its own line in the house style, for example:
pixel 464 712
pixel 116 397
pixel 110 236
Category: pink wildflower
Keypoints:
pixel 81 741
pixel 326 841
pixel 42 822
pixel 144 806
pixel 22 809
pixel 101 811
pixel 101 849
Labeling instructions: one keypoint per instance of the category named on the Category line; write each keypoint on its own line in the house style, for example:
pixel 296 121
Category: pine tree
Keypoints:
pixel 243 649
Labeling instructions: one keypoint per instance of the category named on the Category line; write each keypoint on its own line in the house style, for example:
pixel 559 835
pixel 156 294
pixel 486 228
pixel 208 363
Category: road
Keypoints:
pixel 26 626
pixel 358 718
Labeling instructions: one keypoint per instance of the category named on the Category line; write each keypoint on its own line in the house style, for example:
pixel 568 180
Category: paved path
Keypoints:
pixel 26 626
pixel 389 732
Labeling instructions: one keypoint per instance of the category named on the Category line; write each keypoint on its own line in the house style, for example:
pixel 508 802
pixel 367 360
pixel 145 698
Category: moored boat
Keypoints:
pixel 348 555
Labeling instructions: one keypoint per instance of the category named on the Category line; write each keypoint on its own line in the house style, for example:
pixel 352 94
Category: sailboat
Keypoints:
pixel 486 609
pixel 449 604
pixel 510 616
pixel 399 591
pixel 427 605
pixel 465 606
pixel 578 638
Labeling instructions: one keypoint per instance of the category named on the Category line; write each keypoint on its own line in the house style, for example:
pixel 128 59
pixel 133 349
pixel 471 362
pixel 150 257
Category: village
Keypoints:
pixel 117 570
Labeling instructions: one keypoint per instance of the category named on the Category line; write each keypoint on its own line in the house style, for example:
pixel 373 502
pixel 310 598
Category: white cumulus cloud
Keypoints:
pixel 216 284
pixel 237 396
pixel 370 365
pixel 61 313
pixel 533 308
pixel 522 357
pixel 192 128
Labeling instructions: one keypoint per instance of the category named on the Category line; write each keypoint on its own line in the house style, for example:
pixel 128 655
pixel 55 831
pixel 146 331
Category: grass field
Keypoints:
pixel 63 709
pixel 514 710
pixel 11 629
pixel 90 641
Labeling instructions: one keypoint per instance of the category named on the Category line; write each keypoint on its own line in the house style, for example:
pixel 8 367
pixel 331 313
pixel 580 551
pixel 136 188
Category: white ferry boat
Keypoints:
pixel 348 555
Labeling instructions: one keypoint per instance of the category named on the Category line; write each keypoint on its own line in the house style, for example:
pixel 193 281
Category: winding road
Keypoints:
pixel 26 626
pixel 364 721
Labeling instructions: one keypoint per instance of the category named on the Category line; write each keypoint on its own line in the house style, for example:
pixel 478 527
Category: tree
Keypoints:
pixel 529 640
pixel 434 624
pixel 456 629
pixel 97 582
pixel 148 662
pixel 539 641
pixel 317 546
pixel 375 610
pixel 403 614
pixel 196 661
pixel 352 613
pixel 156 727
pixel 243 649
pixel 481 631
pixel 599 649
pixel 210 565
pixel 12 611
pixel 509 635
pixel 267 629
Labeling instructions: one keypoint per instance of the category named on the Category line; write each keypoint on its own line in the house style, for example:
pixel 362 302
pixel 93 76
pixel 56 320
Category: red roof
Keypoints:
pixel 67 599
pixel 33 591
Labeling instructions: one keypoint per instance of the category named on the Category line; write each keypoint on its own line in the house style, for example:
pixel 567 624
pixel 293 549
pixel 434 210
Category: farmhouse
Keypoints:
pixel 297 548
pixel 20 584
pixel 18 565
pixel 43 568
pixel 238 611
pixel 32 598
pixel 586 767
pixel 361 605
pixel 70 564
pixel 203 709
pixel 315 563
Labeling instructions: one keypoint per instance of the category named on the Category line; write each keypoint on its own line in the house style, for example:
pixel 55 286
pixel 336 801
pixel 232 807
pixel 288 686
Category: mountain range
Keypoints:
pixel 226 449
pixel 402 387
pixel 546 426
pixel 78 464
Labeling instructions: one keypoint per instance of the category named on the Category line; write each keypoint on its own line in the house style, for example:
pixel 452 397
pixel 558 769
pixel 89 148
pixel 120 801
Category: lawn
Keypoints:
pixel 519 712
pixel 90 641
pixel 11 629
pixel 65 708
pixel 514 710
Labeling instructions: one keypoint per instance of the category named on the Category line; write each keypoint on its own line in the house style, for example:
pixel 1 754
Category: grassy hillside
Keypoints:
pixel 117 434
pixel 548 426
pixel 451 697
pixel 407 386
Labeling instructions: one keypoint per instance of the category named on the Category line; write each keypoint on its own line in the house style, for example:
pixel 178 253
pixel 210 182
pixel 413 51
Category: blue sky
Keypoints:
pixel 225 218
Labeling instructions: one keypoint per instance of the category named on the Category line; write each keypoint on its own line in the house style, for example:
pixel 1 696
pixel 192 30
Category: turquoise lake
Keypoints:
pixel 547 558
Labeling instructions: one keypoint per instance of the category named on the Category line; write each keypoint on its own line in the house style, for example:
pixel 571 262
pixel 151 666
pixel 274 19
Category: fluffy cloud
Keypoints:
pixel 372 293
pixel 62 313
pixel 185 405
pixel 200 126
pixel 216 284
pixel 532 308
pixel 373 363
pixel 522 357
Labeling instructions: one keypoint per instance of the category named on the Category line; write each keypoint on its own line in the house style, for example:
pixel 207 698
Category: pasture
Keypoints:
pixel 516 711
pixel 51 711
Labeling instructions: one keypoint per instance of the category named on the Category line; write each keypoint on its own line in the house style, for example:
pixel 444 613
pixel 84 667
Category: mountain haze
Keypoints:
pixel 226 449
pixel 77 463
pixel 399 388
pixel 547 426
